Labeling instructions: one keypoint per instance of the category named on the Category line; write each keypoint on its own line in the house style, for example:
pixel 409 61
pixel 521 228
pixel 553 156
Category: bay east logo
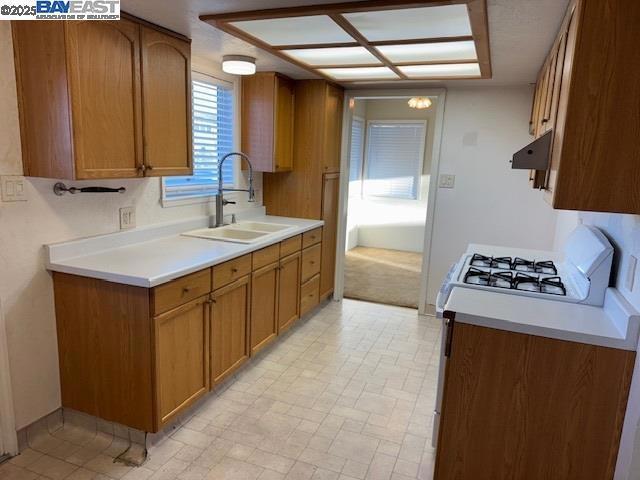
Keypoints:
pixel 78 6
pixel 59 9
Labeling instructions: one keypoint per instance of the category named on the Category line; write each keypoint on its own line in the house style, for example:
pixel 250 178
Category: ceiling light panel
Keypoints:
pixel 295 30
pixel 412 23
pixel 333 56
pixel 442 71
pixel 430 52
pixel 360 73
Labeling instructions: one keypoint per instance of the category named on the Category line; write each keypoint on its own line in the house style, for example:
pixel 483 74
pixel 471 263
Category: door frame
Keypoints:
pixel 8 436
pixel 343 203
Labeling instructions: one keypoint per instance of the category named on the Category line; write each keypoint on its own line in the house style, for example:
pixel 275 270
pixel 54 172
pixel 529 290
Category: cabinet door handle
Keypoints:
pixel 448 340
pixel 142 168
pixel 545 120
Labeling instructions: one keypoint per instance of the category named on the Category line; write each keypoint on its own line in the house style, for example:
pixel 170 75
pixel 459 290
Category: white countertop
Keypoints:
pixel 154 255
pixel 615 325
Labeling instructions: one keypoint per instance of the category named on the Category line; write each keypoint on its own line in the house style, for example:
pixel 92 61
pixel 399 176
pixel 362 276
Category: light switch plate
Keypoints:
pixel 447 181
pixel 127 218
pixel 631 273
pixel 13 188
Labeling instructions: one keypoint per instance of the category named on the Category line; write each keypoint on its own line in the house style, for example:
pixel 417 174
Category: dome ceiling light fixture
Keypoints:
pixel 420 102
pixel 238 64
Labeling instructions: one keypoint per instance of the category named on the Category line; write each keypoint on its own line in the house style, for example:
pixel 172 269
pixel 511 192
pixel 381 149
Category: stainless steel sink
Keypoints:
pixel 243 232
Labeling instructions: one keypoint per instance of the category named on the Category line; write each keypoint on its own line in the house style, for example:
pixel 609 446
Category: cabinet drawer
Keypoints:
pixel 181 290
pixel 290 245
pixel 311 262
pixel 266 256
pixel 230 271
pixel 311 237
pixel 309 294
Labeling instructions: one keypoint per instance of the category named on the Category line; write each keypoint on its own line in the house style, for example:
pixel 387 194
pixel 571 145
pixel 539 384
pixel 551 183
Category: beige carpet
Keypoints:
pixel 383 276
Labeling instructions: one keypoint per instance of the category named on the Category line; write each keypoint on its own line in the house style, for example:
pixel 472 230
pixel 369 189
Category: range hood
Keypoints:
pixel 534 156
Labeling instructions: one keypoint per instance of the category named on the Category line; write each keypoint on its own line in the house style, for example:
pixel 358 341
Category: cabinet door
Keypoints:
pixel 166 97
pixel 182 358
pixel 103 61
pixel 289 291
pixel 330 193
pixel 229 329
pixel 522 406
pixel 332 129
pixel 264 306
pixel 283 145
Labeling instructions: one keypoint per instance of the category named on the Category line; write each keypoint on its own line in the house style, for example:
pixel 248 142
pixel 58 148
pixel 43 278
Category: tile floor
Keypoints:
pixel 347 394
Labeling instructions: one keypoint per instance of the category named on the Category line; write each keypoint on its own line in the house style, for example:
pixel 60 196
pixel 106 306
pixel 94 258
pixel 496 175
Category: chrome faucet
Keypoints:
pixel 220 201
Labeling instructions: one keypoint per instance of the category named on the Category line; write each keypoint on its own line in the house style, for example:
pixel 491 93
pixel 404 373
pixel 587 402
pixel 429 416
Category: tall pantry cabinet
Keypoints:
pixel 310 189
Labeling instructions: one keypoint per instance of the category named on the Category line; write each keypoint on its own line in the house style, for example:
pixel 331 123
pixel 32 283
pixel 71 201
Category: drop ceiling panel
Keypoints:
pixel 430 52
pixel 463 70
pixel 333 56
pixel 360 73
pixel 370 40
pixel 295 30
pixel 412 23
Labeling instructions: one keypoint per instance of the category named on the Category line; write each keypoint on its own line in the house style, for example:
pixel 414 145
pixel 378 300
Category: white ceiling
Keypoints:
pixel 521 33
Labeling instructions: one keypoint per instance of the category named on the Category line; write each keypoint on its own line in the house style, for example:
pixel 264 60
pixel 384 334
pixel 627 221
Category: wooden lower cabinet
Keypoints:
pixel 229 329
pixel 140 356
pixel 526 407
pixel 182 357
pixel 289 291
pixel 264 306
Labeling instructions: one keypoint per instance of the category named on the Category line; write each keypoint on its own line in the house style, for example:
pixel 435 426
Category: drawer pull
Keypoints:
pixel 185 290
pixel 234 270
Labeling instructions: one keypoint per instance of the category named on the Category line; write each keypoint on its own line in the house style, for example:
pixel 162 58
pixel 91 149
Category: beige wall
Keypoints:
pixel 26 292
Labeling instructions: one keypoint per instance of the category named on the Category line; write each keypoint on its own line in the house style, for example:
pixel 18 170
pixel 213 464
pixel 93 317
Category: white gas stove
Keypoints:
pixel 579 274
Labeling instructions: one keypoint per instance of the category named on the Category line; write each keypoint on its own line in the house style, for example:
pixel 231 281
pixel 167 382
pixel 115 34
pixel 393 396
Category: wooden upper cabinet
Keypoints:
pixel 103 62
pixel 332 129
pixel 267 121
pixel 81 89
pixel 182 357
pixel 595 156
pixel 166 101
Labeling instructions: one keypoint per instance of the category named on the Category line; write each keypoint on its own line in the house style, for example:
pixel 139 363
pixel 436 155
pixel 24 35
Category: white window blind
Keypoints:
pixel 212 139
pixel 357 150
pixel 394 158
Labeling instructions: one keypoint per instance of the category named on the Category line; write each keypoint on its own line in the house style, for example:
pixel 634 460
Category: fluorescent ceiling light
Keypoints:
pixel 360 73
pixel 412 23
pixel 427 52
pixel 333 56
pixel 295 30
pixel 442 71
pixel 238 65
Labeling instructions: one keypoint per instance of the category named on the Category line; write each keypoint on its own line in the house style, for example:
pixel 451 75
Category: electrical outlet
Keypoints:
pixel 127 218
pixel 631 273
pixel 447 181
pixel 13 189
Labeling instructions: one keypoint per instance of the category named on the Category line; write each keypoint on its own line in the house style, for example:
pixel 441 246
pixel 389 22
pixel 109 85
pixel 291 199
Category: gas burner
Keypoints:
pixel 526 282
pixel 503 263
pixel 501 279
pixel 546 267
pixel 523 265
pixel 553 285
pixel 480 260
pixel 475 276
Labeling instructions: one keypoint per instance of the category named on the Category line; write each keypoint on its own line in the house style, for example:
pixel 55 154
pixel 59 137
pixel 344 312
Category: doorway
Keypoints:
pixel 391 152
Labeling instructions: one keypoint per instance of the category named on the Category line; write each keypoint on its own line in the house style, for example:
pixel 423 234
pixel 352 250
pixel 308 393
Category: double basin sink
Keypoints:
pixel 241 232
